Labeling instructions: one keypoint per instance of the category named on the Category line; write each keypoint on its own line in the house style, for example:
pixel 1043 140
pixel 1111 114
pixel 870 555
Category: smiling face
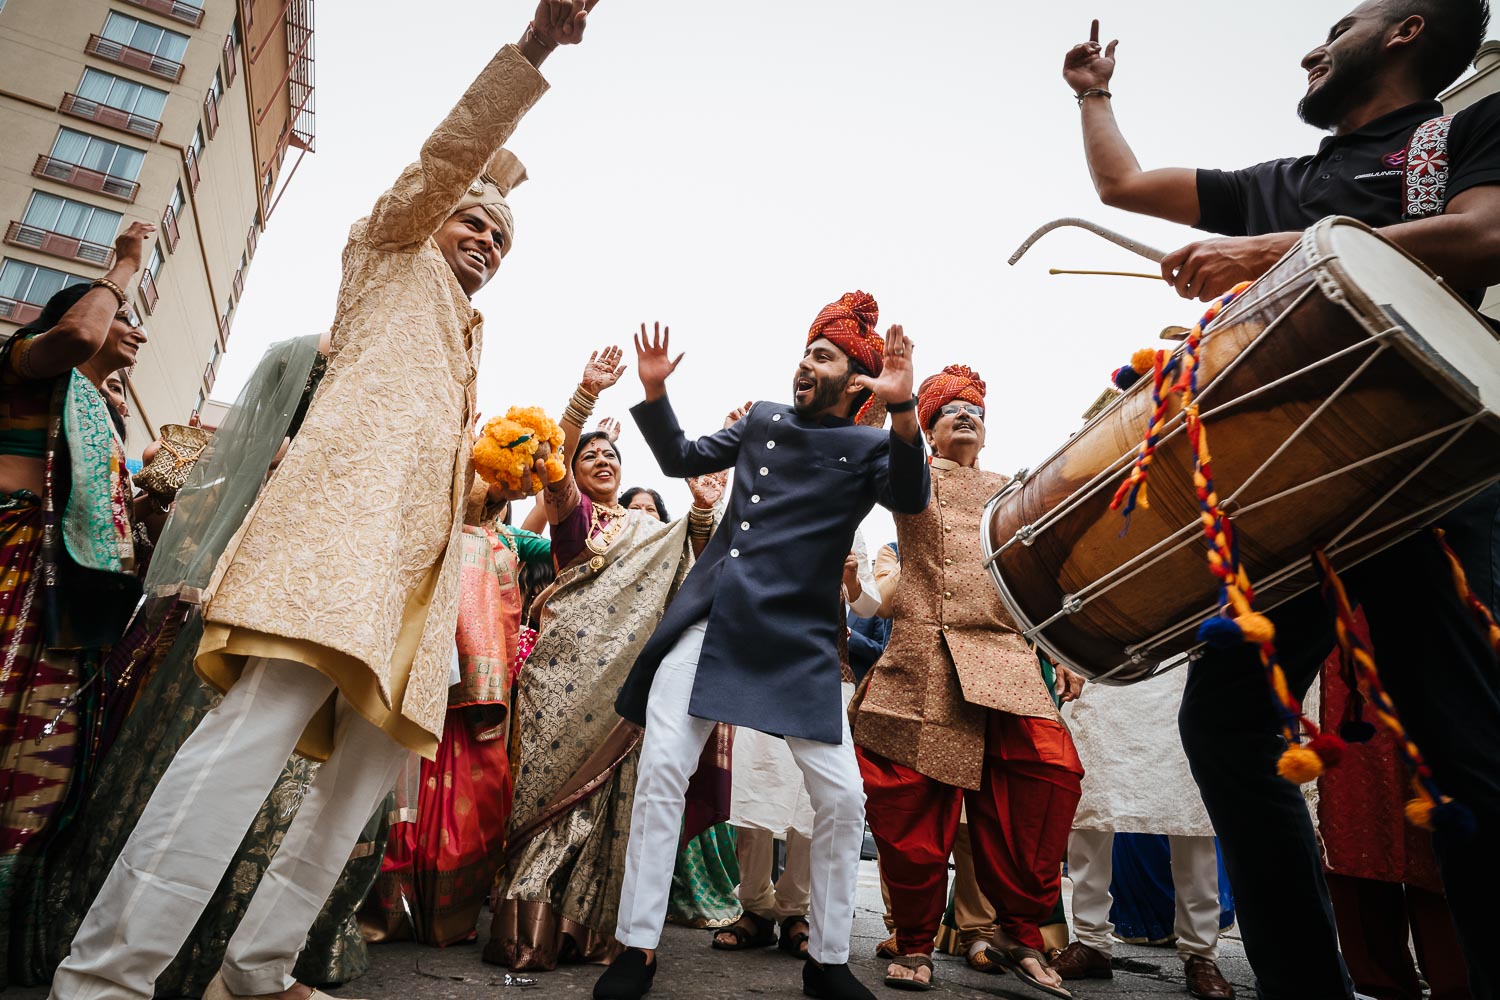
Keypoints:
pixel 1342 70
pixel 957 433
pixel 821 384
pixel 597 470
pixel 471 242
pixel 125 340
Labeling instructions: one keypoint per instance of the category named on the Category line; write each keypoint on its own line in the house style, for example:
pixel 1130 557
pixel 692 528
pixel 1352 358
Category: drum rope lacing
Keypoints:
pixel 1237 621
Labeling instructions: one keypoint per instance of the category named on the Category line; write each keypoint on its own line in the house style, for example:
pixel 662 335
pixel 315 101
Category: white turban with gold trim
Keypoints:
pixel 489 189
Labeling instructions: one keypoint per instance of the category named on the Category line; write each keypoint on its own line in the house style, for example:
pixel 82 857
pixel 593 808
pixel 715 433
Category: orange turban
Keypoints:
pixel 850 324
pixel 953 382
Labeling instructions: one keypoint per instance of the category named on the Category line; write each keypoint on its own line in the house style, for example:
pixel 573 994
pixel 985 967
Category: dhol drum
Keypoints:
pixel 1349 397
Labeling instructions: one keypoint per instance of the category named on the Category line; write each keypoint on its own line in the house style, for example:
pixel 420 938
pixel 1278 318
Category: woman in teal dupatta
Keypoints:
pixel 68 558
pixel 162 641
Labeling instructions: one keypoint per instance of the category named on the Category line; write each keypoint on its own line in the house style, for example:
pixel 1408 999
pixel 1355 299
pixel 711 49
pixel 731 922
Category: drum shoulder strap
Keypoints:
pixel 1427 168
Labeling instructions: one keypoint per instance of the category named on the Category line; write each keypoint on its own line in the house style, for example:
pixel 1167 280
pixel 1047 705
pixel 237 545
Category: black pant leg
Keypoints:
pixel 1232 737
pixel 1440 670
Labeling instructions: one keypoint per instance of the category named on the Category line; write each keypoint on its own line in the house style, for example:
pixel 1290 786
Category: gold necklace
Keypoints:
pixel 607 532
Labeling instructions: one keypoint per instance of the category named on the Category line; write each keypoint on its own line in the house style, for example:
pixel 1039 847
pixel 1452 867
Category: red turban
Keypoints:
pixel 850 324
pixel 953 382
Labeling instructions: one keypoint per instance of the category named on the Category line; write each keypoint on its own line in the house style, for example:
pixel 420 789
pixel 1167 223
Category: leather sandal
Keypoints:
pixel 759 932
pixel 1012 958
pixel 793 943
pixel 912 962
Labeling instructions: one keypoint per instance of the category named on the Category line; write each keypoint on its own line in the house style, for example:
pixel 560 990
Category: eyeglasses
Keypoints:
pixel 953 409
pixel 131 317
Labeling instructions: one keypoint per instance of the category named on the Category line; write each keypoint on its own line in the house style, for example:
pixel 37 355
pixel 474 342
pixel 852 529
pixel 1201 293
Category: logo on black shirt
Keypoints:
pixel 1396 159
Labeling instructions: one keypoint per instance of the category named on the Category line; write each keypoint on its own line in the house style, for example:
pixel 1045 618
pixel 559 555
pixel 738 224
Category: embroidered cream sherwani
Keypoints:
pixel 349 560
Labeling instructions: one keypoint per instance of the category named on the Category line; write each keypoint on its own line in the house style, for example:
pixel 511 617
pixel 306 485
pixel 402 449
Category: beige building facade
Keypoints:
pixel 1484 81
pixel 189 114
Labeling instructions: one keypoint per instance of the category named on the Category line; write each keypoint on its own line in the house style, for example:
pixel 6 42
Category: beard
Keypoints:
pixel 1325 106
pixel 826 396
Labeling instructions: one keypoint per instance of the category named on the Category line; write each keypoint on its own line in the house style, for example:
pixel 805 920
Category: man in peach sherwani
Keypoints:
pixel 331 618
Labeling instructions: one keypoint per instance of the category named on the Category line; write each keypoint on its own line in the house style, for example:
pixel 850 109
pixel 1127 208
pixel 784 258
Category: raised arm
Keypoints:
pixel 82 330
pixel 1169 193
pixel 677 456
pixel 480 123
pixel 904 483
pixel 602 371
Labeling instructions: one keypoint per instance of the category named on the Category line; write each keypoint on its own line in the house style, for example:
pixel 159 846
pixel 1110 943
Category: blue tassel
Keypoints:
pixel 1125 376
pixel 1220 632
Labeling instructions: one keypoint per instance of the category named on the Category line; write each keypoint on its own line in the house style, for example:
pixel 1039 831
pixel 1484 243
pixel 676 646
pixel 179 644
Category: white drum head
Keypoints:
pixel 1389 288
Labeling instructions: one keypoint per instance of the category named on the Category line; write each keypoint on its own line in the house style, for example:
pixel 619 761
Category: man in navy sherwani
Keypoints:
pixel 751 638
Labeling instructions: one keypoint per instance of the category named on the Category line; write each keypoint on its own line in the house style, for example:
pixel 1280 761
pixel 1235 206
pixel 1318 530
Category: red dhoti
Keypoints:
pixel 1019 820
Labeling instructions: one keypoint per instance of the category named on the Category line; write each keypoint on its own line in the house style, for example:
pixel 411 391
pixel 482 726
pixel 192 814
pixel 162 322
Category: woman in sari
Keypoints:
pixel 160 644
pixel 575 758
pixel 707 869
pixel 448 826
pixel 68 553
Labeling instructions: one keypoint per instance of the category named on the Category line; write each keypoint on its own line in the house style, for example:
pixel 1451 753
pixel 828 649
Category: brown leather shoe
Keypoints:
pixel 1204 980
pixel 1079 961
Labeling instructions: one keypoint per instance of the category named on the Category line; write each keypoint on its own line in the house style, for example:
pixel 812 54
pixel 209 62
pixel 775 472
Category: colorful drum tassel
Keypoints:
pixel 1428 808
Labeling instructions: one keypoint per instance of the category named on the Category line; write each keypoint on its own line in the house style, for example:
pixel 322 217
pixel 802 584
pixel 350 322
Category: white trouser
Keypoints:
pixel 1195 883
pixel 755 850
pixel 669 755
pixel 195 822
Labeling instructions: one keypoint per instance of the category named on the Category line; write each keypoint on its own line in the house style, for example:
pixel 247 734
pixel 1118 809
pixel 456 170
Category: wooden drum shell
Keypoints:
pixel 1259 382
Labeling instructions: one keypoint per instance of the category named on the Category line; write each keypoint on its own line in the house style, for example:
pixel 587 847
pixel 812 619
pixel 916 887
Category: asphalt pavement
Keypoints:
pixel 691 970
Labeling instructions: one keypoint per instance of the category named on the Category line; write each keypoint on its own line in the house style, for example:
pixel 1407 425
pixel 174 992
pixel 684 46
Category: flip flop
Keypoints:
pixel 763 934
pixel 912 962
pixel 1012 958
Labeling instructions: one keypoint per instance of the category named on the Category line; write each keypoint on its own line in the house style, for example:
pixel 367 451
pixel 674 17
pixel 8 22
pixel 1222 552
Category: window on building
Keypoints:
pixel 202 398
pixel 145 37
pixel 216 88
pixel 90 151
pixel 72 218
pixel 174 205
pixel 196 146
pixel 32 283
pixel 123 95
pixel 154 265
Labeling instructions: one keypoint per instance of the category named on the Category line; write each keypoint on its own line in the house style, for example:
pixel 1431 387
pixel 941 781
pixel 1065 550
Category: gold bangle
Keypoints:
pixel 586 396
pixel 106 283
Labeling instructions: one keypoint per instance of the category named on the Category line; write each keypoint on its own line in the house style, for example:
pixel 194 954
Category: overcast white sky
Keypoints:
pixel 728 168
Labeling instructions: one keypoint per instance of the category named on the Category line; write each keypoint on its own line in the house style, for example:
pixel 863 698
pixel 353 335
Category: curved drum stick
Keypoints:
pixel 1150 253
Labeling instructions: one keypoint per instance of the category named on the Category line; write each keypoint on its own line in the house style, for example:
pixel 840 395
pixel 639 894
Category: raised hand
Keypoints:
pixel 708 490
pixel 610 426
pixel 1087 65
pixel 654 361
pixel 561 22
pixel 603 370
pixel 737 414
pixel 130 245
pixel 895 380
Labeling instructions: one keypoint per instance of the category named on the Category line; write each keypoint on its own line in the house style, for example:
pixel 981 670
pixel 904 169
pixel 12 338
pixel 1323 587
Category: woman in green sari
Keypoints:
pixel 162 642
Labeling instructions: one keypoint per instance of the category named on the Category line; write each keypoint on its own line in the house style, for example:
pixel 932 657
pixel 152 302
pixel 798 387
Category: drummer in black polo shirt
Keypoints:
pixel 1373 83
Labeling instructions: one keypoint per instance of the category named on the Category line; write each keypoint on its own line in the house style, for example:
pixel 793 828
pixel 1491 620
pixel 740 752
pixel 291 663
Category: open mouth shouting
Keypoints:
pixel 804 387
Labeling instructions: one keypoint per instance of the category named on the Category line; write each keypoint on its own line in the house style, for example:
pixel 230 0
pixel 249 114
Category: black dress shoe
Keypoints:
pixel 832 982
pixel 627 978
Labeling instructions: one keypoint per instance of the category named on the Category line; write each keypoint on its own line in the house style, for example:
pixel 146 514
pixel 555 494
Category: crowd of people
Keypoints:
pixel 317 690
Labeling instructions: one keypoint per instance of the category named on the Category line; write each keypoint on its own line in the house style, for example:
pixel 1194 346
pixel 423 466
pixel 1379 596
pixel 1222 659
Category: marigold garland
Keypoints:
pixel 508 446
